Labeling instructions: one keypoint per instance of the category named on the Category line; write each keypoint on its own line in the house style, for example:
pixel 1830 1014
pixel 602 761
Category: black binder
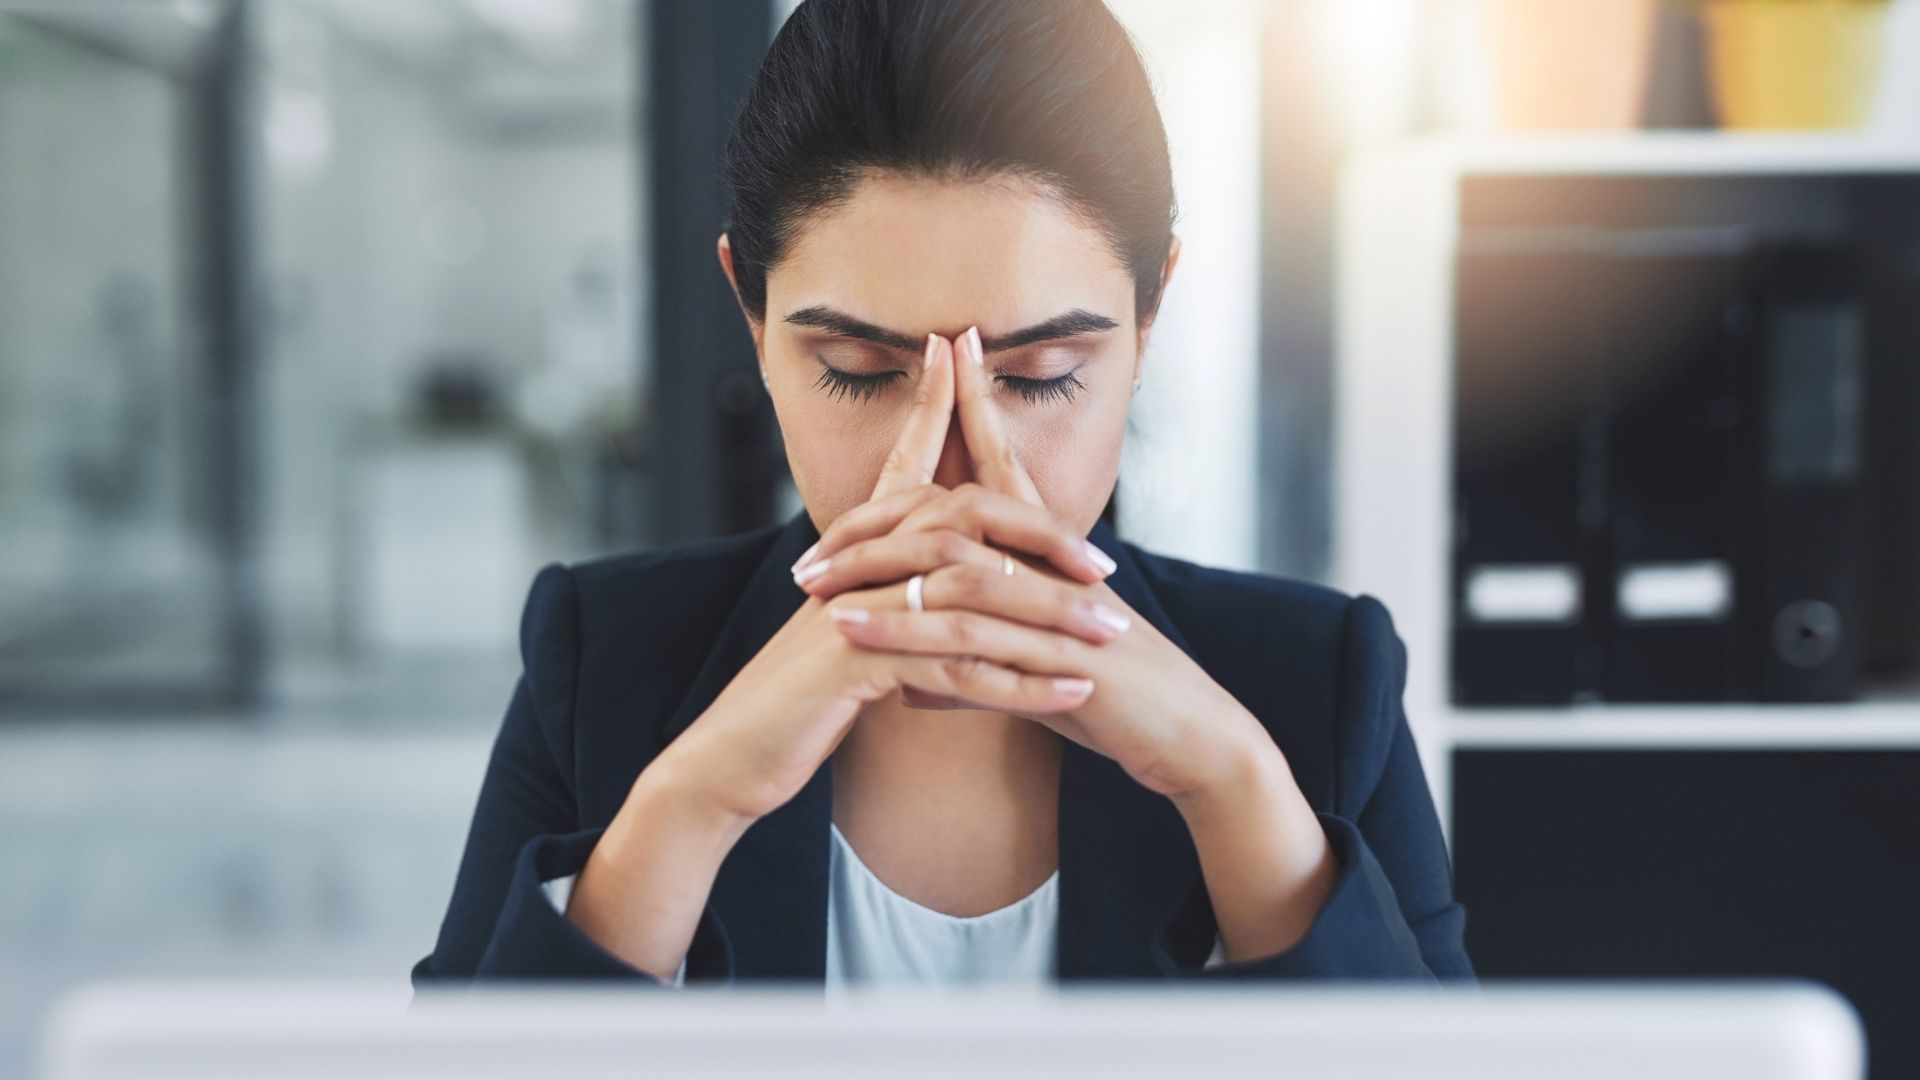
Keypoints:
pixel 1807 556
pixel 1673 418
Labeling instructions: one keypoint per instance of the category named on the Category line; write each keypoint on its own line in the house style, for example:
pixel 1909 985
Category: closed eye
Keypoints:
pixel 845 384
pixel 1062 387
pixel 839 383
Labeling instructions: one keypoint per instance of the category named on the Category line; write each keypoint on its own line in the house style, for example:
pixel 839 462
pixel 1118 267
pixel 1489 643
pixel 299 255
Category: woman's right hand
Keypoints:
pixel 784 713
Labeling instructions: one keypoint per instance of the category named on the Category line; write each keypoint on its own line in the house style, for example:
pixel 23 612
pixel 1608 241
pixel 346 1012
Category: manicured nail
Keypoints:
pixel 807 554
pixel 973 346
pixel 848 614
pixel 1115 621
pixel 804 556
pixel 1071 688
pixel 933 350
pixel 1101 559
pixel 811 571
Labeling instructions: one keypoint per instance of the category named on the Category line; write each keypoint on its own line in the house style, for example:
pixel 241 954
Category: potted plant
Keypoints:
pixel 1794 64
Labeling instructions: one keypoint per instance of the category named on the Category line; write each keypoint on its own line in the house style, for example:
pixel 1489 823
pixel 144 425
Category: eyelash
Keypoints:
pixel 842 384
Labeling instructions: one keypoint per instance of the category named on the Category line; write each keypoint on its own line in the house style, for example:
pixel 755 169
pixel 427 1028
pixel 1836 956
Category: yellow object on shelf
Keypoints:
pixel 1795 64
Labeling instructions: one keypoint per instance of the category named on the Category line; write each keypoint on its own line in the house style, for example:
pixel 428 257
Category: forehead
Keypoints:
pixel 942 254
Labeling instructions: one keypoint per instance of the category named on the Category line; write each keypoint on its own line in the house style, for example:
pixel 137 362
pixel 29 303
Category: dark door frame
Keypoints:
pixel 714 452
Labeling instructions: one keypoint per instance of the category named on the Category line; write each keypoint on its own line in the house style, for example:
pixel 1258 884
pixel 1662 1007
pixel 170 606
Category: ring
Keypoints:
pixel 916 592
pixel 1006 562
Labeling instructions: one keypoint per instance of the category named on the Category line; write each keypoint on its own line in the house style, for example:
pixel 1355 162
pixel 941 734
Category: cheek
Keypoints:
pixel 1072 453
pixel 834 451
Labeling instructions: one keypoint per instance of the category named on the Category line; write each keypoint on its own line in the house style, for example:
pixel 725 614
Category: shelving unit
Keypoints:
pixel 1399 232
pixel 1869 725
pixel 1645 153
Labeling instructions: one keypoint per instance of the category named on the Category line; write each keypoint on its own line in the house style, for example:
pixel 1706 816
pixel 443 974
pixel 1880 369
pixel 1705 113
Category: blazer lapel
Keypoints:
pixel 1125 855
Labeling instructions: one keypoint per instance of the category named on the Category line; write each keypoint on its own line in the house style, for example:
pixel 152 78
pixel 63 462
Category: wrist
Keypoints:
pixel 641 892
pixel 662 824
pixel 675 789
pixel 1248 769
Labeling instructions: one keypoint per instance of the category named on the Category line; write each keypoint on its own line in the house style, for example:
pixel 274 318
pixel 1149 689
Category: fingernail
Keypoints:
pixel 1115 621
pixel 804 556
pixel 1072 687
pixel 973 346
pixel 933 349
pixel 1101 559
pixel 848 614
pixel 808 573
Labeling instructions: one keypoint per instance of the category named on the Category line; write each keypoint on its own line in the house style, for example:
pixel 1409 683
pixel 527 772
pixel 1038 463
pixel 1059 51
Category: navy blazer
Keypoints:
pixel 622 653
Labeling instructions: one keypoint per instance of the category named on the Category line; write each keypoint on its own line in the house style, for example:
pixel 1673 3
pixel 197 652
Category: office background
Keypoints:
pixel 324 323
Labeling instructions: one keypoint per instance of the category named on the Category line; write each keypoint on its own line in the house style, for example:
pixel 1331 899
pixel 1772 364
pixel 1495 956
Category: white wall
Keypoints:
pixel 1190 476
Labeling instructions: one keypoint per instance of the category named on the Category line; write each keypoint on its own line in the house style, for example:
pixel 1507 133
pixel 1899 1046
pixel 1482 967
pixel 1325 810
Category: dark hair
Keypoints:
pixel 1048 90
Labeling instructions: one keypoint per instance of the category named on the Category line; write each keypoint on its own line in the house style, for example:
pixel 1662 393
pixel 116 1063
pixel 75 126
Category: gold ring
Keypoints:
pixel 1006 562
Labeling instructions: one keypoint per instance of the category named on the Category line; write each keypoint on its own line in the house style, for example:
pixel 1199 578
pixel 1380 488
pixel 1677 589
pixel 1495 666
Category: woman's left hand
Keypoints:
pixel 1153 710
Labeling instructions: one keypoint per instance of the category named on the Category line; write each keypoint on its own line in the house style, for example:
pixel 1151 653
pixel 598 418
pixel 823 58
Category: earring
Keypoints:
pixel 1136 384
pixel 763 379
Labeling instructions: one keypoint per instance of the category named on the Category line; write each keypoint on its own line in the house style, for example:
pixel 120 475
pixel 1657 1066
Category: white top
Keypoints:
pixel 875 935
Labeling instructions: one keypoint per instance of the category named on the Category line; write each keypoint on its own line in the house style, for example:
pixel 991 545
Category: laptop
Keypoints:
pixel 1750 1030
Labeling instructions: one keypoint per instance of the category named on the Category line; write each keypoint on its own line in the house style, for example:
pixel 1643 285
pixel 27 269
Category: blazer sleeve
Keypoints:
pixel 1391 913
pixel 526 831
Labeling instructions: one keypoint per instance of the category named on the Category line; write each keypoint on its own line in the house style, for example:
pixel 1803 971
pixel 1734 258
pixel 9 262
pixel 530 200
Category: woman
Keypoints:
pixel 944 725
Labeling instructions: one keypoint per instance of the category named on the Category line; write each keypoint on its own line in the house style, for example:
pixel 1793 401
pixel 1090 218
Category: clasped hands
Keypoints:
pixel 1010 591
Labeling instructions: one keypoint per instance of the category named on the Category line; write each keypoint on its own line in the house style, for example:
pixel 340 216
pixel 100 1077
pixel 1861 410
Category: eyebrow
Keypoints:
pixel 1064 325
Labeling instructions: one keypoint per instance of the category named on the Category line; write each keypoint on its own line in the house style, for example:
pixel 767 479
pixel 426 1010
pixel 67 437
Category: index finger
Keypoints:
pixel 988 444
pixel 916 453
